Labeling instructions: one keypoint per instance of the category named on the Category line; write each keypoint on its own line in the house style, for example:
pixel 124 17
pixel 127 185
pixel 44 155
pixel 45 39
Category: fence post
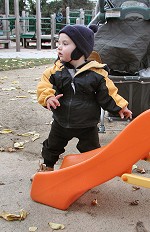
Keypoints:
pixel 77 20
pixel 93 13
pixel 17 25
pixel 97 7
pixel 38 24
pixel 82 16
pixel 53 30
pixel 67 15
pixel 27 22
pixel 7 21
pixel 4 25
pixel 23 22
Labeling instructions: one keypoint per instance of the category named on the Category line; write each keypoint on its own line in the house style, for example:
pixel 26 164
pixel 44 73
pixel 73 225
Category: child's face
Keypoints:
pixel 65 47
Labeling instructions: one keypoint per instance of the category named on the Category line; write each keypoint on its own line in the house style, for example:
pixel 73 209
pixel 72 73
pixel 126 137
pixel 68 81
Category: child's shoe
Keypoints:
pixel 42 168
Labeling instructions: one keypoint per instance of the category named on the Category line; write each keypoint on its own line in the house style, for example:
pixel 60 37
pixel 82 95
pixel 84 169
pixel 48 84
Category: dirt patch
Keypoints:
pixel 20 111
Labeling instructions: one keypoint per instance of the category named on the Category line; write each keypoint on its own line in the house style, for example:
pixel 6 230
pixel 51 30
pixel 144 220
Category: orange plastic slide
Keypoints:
pixel 81 172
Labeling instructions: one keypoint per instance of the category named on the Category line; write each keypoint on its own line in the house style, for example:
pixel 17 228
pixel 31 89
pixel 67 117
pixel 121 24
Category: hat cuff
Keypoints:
pixel 79 40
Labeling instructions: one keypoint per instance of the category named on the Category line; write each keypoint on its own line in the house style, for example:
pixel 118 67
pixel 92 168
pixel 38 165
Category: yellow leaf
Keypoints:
pixel 13 217
pixel 21 96
pixel 32 228
pixel 8 89
pixel 56 226
pixel 2 149
pixel 23 214
pixel 134 167
pixel 36 136
pixel 12 99
pixel 34 97
pixel 28 133
pixel 15 82
pixel 19 145
pixel 5 131
pixel 34 101
pixel 32 91
pixel 3 78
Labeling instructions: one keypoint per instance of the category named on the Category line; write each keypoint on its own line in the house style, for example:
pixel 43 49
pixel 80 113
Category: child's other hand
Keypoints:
pixel 125 112
pixel 53 101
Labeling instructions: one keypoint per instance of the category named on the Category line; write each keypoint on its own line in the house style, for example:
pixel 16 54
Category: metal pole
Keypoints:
pixel 17 25
pixel 38 25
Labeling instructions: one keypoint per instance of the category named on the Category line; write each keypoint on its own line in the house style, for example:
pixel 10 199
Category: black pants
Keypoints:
pixel 59 137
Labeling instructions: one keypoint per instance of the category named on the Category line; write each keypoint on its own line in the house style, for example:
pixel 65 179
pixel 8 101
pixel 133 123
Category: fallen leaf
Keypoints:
pixel 3 78
pixel 1 183
pixel 15 82
pixel 134 167
pixel 34 97
pixel 134 188
pixel 18 87
pixel 140 170
pixel 2 149
pixel 136 202
pixel 12 99
pixel 19 145
pixel 13 217
pixel 8 89
pixel 28 133
pixel 37 78
pixel 8 149
pixel 32 91
pixel 21 96
pixel 5 131
pixel 94 202
pixel 32 228
pixel 36 136
pixel 56 226
pixel 23 214
pixel 34 101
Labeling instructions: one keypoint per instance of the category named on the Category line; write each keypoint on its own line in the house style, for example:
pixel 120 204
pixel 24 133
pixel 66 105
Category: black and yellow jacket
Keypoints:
pixel 84 91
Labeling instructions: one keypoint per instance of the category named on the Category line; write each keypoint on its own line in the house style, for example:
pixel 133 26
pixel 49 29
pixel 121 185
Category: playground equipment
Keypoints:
pixel 28 29
pixel 81 172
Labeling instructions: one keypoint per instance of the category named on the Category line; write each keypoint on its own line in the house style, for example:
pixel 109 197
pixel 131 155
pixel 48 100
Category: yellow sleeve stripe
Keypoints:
pixel 113 92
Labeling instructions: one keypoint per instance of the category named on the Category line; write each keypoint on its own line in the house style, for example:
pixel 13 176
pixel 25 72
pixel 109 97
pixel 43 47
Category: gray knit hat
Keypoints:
pixel 83 37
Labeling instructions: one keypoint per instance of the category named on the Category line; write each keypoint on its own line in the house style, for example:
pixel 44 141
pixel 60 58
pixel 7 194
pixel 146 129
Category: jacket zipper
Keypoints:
pixel 71 95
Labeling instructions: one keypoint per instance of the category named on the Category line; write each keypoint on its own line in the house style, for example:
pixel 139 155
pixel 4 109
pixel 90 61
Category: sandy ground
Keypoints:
pixel 20 113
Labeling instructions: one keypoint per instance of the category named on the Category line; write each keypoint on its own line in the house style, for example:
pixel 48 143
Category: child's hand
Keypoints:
pixel 125 112
pixel 53 101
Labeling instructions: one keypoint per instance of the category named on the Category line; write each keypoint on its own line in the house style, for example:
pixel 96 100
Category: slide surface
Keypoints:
pixel 81 172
